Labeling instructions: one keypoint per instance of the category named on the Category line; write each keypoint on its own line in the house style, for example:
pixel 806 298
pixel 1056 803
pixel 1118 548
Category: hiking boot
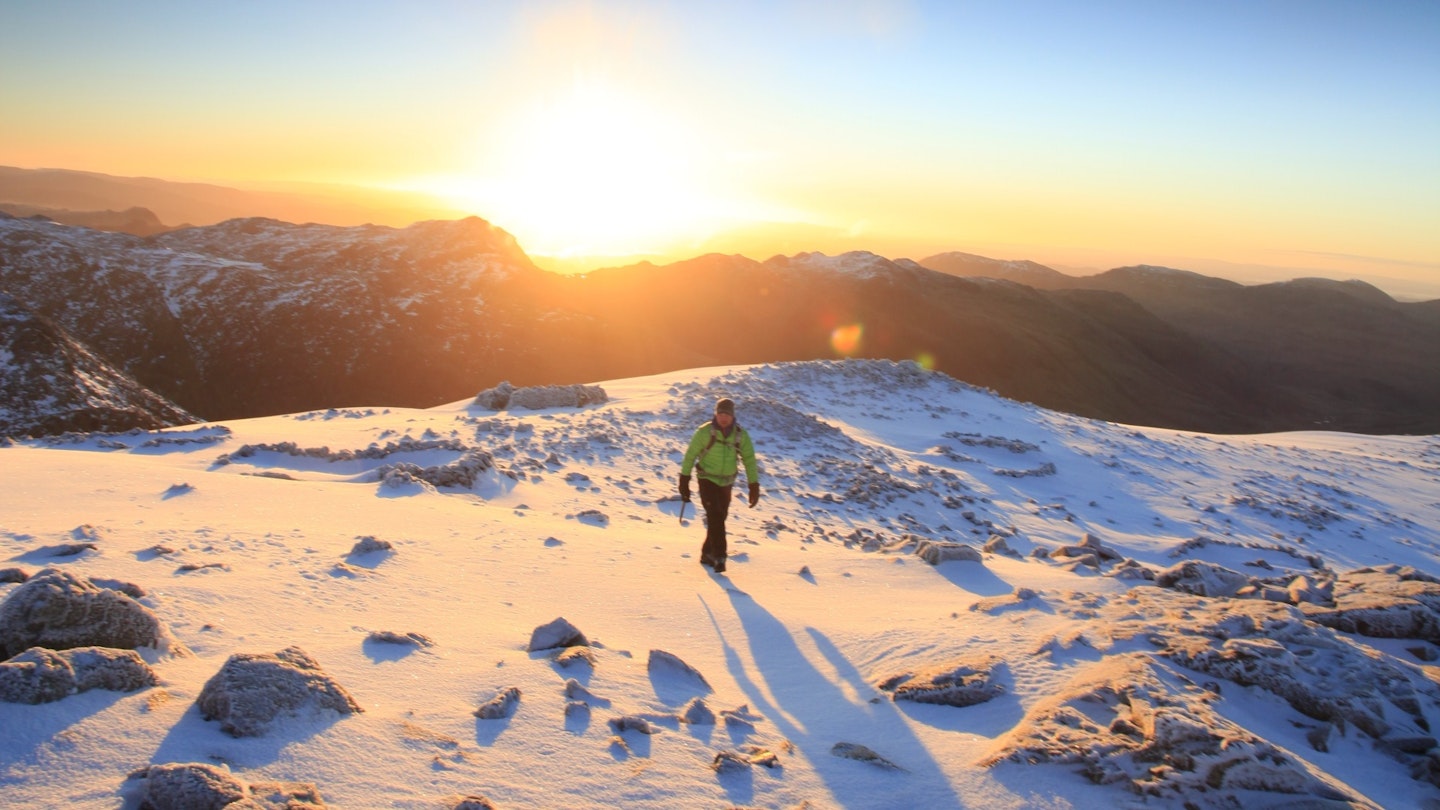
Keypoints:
pixel 718 565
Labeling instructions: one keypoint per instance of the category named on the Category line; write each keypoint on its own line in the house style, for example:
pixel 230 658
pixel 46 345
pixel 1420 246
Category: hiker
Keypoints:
pixel 715 452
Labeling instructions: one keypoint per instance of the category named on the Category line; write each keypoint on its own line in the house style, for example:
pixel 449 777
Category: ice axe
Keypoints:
pixel 683 504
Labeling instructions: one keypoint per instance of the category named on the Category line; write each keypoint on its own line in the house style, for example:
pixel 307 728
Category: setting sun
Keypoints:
pixel 592 172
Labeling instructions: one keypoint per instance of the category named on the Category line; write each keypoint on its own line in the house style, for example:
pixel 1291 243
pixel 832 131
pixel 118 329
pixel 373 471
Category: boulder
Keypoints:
pixel 252 690
pixel 59 611
pixel 472 803
pixel 662 662
pixel 1202 579
pixel 501 706
pixel 202 786
pixel 39 675
pixel 938 551
pixel 558 633
pixel 958 683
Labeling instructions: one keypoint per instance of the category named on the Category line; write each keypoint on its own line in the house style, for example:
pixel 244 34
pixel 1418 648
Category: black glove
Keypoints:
pixel 754 493
pixel 684 487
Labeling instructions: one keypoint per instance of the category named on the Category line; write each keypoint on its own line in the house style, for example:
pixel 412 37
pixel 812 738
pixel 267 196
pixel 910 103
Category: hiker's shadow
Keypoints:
pixel 813 711
pixel 974 577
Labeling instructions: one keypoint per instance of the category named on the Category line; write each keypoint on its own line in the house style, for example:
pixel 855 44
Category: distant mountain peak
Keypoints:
pixel 969 265
pixel 1351 287
pixel 856 263
pixel 136 221
pixel 1151 273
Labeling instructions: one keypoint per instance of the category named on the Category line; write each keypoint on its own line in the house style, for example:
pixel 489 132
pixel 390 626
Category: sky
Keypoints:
pixel 1287 135
pixel 823 602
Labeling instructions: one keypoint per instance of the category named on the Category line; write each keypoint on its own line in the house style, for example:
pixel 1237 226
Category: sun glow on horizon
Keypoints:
pixel 591 172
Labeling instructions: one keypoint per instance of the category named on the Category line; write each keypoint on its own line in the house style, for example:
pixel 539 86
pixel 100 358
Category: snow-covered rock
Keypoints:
pixel 1120 724
pixel 501 706
pixel 59 611
pixel 204 786
pixel 1202 579
pixel 252 690
pixel 538 398
pixel 557 633
pixel 939 551
pixel 39 675
pixel 959 683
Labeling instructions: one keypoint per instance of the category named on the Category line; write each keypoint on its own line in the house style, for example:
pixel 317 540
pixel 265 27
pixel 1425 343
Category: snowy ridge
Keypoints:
pixel 856 264
pixel 459 248
pixel 256 312
pixel 49 382
pixel 944 598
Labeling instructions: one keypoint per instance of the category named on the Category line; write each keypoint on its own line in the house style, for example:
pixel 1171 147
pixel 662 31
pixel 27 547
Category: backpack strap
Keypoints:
pixel 714 434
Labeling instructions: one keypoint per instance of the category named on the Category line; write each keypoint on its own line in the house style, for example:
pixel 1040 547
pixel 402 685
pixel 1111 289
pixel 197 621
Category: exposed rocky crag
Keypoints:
pixel 52 383
pixel 256 316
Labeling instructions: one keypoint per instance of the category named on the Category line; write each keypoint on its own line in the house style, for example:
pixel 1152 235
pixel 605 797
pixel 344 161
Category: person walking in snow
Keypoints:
pixel 716 451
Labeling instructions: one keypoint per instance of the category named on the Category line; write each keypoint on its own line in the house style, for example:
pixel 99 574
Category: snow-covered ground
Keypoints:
pixel 1093 682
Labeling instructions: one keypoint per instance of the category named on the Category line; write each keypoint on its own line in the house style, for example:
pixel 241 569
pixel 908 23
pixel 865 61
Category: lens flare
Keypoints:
pixel 926 360
pixel 845 340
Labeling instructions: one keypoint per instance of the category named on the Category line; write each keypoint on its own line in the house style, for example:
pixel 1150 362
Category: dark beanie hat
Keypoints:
pixel 726 405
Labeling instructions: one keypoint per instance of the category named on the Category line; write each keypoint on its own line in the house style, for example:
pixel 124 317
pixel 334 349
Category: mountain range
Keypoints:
pixel 106 201
pixel 257 316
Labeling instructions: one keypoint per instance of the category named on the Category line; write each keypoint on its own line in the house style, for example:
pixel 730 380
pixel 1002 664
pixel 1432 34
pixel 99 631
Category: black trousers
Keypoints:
pixel 716 501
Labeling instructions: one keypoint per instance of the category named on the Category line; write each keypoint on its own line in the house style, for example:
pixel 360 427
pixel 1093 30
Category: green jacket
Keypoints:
pixel 718 461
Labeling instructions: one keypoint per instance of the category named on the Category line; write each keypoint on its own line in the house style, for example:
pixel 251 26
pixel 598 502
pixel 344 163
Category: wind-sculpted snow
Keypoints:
pixel 1121 716
pixel 1160 620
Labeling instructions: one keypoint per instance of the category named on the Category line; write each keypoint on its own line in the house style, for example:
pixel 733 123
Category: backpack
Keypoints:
pixel 715 435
